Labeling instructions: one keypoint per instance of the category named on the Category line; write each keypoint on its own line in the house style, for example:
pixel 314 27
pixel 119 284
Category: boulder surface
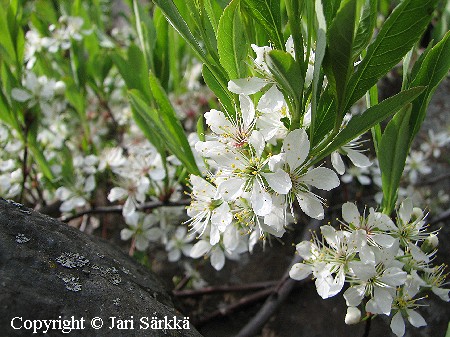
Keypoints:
pixel 53 276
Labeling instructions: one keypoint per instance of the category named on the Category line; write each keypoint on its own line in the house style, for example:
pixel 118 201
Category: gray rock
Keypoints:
pixel 50 271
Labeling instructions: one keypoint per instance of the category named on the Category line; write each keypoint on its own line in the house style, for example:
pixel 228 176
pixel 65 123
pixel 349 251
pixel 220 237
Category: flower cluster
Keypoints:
pixel 258 168
pixel 387 264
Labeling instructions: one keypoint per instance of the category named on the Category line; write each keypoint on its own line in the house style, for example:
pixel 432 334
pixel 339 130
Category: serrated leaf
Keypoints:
pixel 433 69
pixel 397 36
pixel 325 117
pixel 366 27
pixel 288 75
pixel 224 96
pixel 177 141
pixel 214 12
pixel 231 42
pixel 392 153
pixel 176 20
pixel 330 8
pixel 372 116
pixel 339 52
pixel 321 43
pixel 267 13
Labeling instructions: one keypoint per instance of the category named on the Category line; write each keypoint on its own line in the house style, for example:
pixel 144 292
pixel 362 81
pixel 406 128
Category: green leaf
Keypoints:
pixel 231 42
pixel 176 20
pixel 135 76
pixel 339 52
pixel 321 44
pixel 372 116
pixel 330 8
pixel 288 75
pixel 366 27
pixel 214 12
pixel 294 11
pixel 154 124
pixel 393 150
pixel 433 69
pixel 326 113
pixel 177 141
pixel 397 36
pixel 267 13
pixel 141 115
pixel 224 96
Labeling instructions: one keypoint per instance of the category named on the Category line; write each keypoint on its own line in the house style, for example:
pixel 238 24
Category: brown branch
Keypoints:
pixel 279 294
pixel 244 301
pixel 224 289
pixel 118 208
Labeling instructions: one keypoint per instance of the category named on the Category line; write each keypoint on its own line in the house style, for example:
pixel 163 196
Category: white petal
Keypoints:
pixel 214 235
pixel 351 214
pixel 394 276
pixel 247 86
pixel 221 216
pixel 300 271
pixel 357 158
pixel 310 205
pixel 353 315
pixel 279 181
pixel 117 193
pixel 20 95
pixel 126 234
pixel 141 243
pixel 383 300
pixel 217 121
pixel 321 177
pixel 442 293
pixel 330 235
pixel 271 101
pixel 256 140
pixel 384 240
pixel 354 295
pixel 217 259
pixel 200 248
pixel 247 110
pixel 366 254
pixel 415 318
pixel 231 189
pixel 338 163
pixel 363 180
pixel 398 325
pixel 261 200
pixel 296 146
pixel 405 210
pixel 417 253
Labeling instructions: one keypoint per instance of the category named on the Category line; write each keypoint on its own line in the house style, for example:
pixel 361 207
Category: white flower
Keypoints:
pixel 435 143
pixel 416 164
pixel 141 227
pixel 351 150
pixel 296 149
pixel 133 190
pixel 273 108
pixel 203 247
pixel 179 243
pixel 207 211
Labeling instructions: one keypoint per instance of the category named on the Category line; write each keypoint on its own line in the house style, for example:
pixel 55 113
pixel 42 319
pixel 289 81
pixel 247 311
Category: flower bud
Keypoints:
pixel 59 88
pixel 430 244
pixel 353 315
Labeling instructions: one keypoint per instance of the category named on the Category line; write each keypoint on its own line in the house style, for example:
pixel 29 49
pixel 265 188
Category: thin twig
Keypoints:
pixel 367 327
pixel 224 289
pixel 118 208
pixel 244 301
pixel 181 284
pixel 280 294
